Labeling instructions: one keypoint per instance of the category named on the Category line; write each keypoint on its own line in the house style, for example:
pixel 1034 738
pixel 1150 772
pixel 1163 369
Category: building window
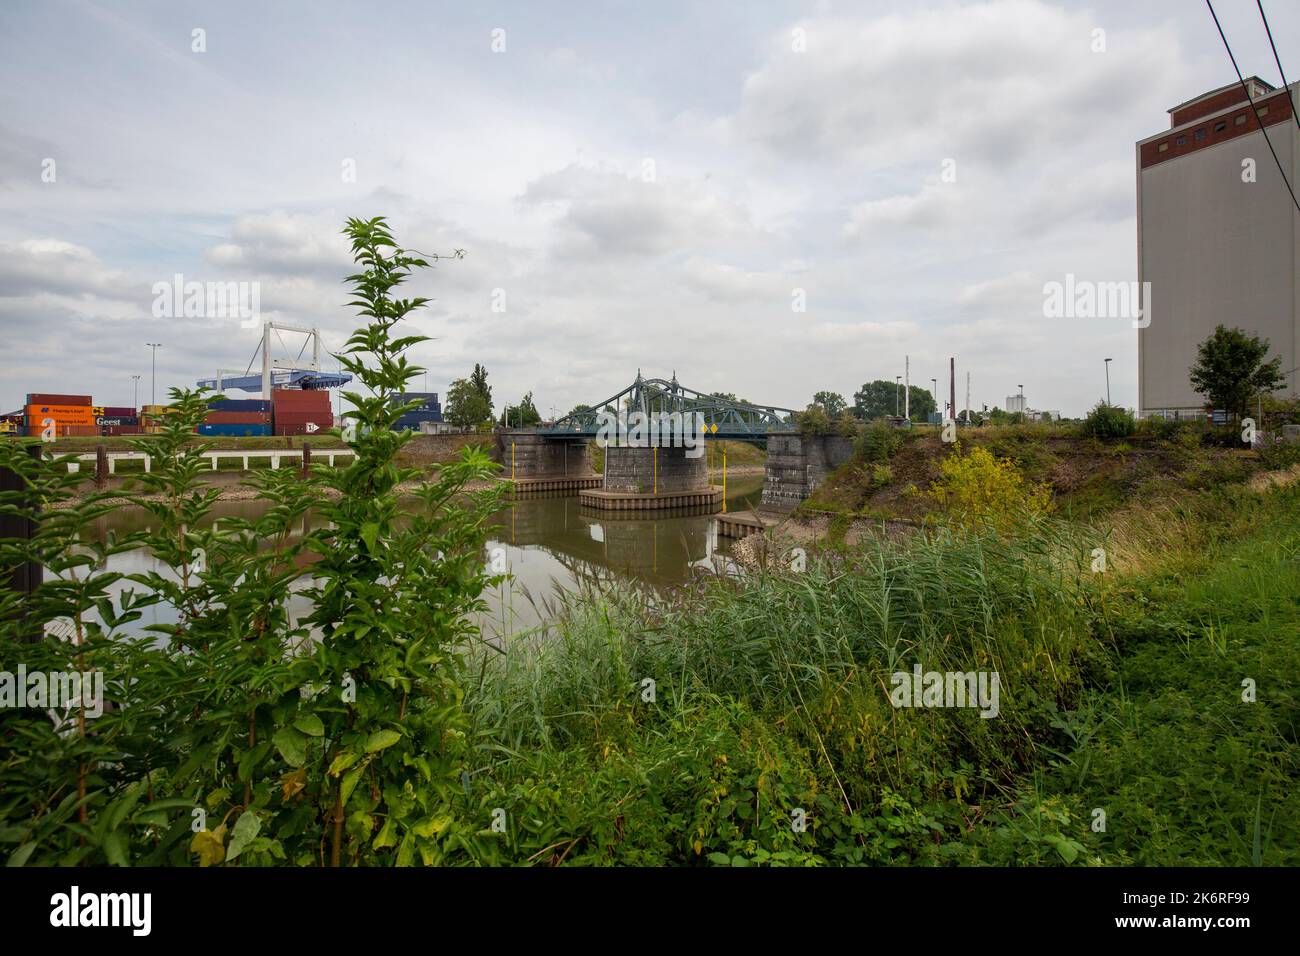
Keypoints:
pixel 1200 134
pixel 1220 127
pixel 1240 120
pixel 1181 141
pixel 1164 147
pixel 1263 111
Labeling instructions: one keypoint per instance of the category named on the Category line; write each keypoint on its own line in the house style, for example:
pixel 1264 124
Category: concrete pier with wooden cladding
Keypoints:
pixel 534 464
pixel 653 479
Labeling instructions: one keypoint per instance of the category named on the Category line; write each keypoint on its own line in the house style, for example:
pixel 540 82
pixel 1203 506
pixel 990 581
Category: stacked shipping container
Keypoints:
pixel 429 410
pixel 299 412
pixel 69 415
pixel 237 416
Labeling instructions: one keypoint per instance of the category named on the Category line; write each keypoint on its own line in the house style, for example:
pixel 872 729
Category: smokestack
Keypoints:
pixel 967 409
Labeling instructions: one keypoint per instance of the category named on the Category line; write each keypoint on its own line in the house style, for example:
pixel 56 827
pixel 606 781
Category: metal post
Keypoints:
pixel 153 381
pixel 26 577
pixel 306 460
pixel 101 466
pixel 1107 363
pixel 952 387
pixel 724 479
pixel 656 458
pixel 907 386
pixel 512 461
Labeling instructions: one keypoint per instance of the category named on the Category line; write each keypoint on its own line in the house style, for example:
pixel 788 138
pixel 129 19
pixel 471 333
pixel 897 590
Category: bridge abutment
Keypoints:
pixel 797 465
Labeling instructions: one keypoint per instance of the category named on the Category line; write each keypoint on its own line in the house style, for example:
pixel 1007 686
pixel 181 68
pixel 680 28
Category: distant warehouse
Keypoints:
pixel 1216 230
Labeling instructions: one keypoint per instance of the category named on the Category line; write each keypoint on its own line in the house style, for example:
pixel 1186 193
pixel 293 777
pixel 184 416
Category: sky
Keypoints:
pixel 765 198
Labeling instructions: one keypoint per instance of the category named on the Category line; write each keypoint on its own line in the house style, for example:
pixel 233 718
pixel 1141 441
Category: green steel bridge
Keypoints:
pixel 723 418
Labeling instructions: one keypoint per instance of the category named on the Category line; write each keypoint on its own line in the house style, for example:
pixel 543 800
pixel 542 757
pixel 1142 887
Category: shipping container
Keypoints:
pixel 119 411
pixel 123 429
pixel 240 405
pixel 43 398
pixel 238 418
pixel 62 414
pixel 153 409
pixel 116 420
pixel 234 430
pixel 77 431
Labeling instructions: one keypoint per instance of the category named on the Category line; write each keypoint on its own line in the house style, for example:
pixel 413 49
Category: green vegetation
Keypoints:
pixel 1121 693
pixel 1231 370
pixel 880 399
pixel 1108 421
pixel 469 401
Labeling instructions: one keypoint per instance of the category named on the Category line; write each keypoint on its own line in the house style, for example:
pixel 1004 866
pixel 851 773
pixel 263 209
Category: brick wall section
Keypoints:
pixel 633 470
pixel 538 457
pixel 1208 107
pixel 1279 111
pixel 797 465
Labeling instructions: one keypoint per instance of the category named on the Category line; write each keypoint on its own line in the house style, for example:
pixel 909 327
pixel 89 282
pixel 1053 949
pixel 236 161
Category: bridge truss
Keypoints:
pixel 723 418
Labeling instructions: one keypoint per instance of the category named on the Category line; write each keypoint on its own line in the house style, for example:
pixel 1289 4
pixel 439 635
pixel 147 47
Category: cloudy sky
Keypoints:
pixel 651 186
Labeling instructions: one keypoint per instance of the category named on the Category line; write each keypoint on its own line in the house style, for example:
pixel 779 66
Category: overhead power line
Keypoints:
pixel 1253 106
pixel 1278 60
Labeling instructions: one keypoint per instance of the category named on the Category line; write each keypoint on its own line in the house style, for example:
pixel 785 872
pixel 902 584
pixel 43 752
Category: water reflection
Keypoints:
pixel 549 545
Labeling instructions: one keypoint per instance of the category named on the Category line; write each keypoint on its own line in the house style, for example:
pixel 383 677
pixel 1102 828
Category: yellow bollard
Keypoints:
pixel 656 469
pixel 512 461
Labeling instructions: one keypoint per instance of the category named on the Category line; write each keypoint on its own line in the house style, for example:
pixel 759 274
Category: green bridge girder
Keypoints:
pixel 722 418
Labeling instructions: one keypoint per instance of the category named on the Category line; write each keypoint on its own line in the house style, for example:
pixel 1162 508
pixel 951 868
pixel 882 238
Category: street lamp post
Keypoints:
pixel 1108 381
pixel 934 392
pixel 898 381
pixel 153 379
pixel 135 392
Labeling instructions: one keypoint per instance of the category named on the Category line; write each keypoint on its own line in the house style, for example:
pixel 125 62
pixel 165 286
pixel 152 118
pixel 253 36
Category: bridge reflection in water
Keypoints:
pixel 553 544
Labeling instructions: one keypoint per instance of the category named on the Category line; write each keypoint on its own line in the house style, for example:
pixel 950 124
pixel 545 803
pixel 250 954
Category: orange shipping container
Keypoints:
pixel 62 414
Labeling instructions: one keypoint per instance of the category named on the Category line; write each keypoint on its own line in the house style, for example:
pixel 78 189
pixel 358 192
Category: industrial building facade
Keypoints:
pixel 1216 236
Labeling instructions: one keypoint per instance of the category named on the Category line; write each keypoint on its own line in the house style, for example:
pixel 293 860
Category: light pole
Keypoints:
pixel 1022 398
pixel 898 381
pixel 934 392
pixel 1108 381
pixel 153 380
pixel 135 393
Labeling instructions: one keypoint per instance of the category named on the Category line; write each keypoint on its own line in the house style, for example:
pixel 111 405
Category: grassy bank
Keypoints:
pixel 1121 692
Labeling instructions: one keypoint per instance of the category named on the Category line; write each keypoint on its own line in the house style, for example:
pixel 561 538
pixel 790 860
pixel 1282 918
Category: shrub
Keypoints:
pixel 1109 421
pixel 813 421
pixel 878 442
pixel 978 488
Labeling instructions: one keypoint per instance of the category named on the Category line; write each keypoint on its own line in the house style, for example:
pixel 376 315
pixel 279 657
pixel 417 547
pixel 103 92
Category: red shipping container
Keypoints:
pixel 42 398
pixel 291 429
pixel 238 418
pixel 77 431
pixel 118 411
pixel 123 429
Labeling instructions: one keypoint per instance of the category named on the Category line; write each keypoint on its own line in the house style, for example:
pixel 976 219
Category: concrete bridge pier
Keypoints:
pixel 652 479
pixel 535 463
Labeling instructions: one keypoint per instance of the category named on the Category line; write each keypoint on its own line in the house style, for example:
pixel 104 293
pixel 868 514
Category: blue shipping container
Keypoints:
pixel 227 431
pixel 240 405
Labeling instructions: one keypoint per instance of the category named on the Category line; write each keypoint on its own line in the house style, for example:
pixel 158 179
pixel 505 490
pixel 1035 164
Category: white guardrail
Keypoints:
pixel 329 454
